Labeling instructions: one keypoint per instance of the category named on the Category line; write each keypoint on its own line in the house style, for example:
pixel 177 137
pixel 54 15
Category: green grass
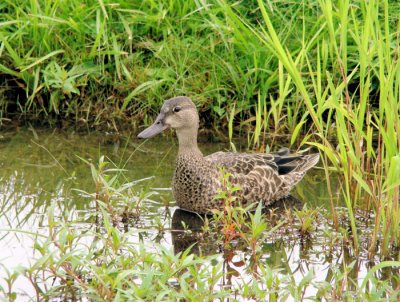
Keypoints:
pixel 82 61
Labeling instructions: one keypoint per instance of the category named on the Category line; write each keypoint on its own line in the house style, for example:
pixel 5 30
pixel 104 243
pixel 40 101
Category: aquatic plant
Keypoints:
pixel 111 194
pixel 306 218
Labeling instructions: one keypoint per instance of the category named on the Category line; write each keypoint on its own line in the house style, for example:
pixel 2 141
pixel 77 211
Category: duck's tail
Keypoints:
pixel 301 166
pixel 294 163
pixel 306 162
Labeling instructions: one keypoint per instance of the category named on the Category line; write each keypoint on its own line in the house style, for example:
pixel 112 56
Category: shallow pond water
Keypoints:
pixel 49 169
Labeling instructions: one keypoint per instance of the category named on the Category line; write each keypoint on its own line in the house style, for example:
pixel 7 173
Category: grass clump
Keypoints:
pixel 344 75
pixel 99 62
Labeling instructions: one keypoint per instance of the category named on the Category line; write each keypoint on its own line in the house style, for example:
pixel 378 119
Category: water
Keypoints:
pixel 42 169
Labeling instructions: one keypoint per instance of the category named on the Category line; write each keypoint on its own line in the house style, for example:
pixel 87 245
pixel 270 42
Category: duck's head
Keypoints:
pixel 178 113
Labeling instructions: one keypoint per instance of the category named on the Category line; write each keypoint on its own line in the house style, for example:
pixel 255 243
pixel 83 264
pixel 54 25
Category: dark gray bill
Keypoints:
pixel 154 129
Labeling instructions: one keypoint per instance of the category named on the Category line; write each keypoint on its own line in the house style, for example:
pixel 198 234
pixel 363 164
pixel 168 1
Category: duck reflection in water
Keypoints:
pixel 193 230
pixel 202 236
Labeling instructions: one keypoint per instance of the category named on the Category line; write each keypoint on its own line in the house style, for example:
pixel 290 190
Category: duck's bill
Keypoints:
pixel 153 130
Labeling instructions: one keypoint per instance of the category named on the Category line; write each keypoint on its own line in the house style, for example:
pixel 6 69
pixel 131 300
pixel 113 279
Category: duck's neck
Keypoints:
pixel 188 142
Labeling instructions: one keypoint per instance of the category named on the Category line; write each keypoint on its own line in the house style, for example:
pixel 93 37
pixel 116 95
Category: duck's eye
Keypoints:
pixel 176 109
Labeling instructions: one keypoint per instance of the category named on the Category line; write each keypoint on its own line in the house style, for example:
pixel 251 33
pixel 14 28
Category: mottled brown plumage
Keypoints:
pixel 198 179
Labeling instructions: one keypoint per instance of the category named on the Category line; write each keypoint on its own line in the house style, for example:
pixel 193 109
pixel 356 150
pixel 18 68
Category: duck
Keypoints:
pixel 198 180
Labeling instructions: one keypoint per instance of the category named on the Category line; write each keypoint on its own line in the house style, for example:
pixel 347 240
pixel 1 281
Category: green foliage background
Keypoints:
pixel 101 61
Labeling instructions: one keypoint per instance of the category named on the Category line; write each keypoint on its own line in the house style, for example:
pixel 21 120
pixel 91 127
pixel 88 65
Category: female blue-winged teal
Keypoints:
pixel 197 178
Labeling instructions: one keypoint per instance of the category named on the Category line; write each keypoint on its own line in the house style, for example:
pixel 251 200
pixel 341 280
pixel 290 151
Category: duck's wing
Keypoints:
pixel 282 162
pixel 242 163
pixel 264 177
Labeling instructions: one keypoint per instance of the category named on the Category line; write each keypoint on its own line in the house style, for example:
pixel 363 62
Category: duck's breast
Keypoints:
pixel 195 183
